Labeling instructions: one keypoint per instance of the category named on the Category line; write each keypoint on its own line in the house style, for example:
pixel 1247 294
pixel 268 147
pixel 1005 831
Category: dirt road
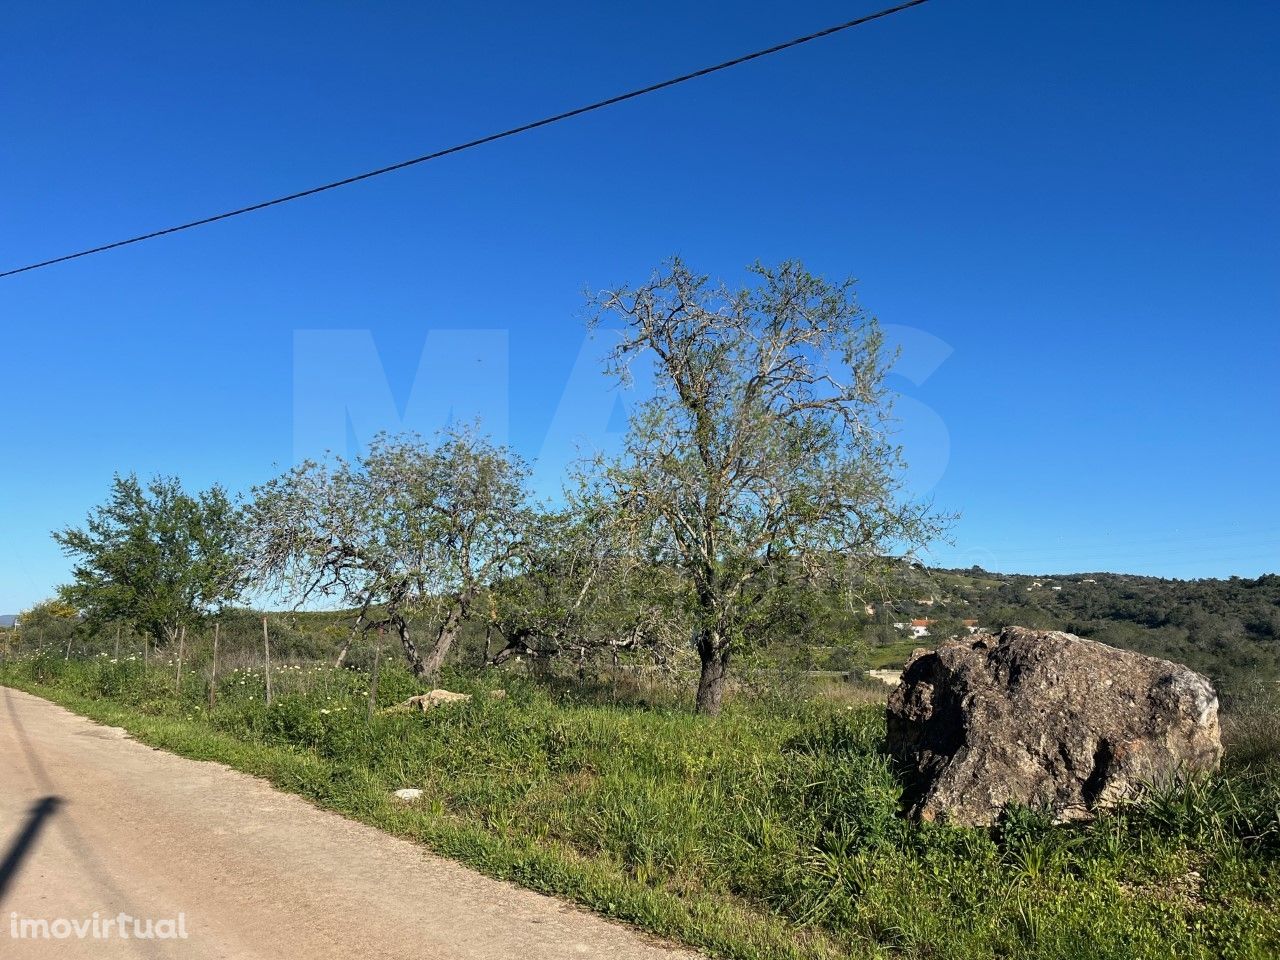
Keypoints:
pixel 92 821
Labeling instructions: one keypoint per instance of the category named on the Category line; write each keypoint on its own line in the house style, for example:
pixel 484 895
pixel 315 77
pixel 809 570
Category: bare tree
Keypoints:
pixel 406 530
pixel 763 454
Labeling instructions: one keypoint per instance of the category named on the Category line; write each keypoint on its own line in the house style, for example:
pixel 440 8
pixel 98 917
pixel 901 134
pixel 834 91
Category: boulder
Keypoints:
pixel 1044 719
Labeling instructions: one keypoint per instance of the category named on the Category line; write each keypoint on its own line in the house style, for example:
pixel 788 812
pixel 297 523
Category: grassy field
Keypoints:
pixel 769 832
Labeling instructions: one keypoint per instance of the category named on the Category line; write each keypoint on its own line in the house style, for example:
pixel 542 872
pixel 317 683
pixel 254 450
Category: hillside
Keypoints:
pixel 1227 629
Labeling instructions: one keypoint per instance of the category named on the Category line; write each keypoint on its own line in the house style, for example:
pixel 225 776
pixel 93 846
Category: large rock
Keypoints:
pixel 1044 719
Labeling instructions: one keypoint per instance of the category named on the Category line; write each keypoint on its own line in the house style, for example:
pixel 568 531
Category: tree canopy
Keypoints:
pixel 407 527
pixel 155 556
pixel 764 452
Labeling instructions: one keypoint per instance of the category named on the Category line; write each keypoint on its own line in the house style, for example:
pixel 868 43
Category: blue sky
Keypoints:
pixel 1067 213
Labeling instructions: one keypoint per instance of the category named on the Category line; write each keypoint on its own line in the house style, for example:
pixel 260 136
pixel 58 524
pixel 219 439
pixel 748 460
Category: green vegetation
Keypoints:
pixel 405 529
pixel 1228 630
pixel 750 516
pixel 758 477
pixel 763 461
pixel 155 557
pixel 771 831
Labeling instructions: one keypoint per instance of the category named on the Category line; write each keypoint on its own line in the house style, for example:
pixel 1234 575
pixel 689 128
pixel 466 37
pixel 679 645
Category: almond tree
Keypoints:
pixel 578 591
pixel 763 455
pixel 406 530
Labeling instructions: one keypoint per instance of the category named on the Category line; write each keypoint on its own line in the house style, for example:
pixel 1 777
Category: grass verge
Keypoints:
pixel 770 832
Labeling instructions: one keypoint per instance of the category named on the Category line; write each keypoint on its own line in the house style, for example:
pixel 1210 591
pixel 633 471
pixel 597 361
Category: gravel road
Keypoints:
pixel 94 822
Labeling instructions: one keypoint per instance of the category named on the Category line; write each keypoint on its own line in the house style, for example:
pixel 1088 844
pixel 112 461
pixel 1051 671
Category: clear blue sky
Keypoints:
pixel 1068 212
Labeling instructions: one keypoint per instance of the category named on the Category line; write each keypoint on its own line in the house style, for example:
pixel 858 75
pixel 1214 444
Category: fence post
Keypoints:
pixel 266 658
pixel 182 647
pixel 213 668
pixel 373 679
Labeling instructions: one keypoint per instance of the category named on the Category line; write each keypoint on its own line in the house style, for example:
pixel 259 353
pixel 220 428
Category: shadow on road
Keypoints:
pixel 41 811
pixel 94 867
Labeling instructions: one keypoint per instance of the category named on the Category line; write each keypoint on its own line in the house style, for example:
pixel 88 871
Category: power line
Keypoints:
pixel 458 148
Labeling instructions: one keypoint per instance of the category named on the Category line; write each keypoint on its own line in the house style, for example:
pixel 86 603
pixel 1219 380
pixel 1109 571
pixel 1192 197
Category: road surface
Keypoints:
pixel 94 822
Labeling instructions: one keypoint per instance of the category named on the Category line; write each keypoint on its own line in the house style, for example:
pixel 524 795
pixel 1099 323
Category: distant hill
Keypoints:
pixel 1226 629
pixel 8 619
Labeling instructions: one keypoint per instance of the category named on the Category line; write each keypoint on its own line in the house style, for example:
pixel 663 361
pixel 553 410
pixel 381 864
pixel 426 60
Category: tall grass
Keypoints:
pixel 772 831
pixel 1251 727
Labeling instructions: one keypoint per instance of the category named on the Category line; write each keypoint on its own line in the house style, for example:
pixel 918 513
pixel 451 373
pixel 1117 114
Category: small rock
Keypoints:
pixel 429 701
pixel 408 794
pixel 890 677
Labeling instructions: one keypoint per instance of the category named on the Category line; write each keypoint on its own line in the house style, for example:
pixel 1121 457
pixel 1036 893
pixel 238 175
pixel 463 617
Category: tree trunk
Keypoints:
pixel 410 648
pixel 342 654
pixel 711 683
pixel 444 640
pixel 488 645
pixel 435 659
pixel 346 647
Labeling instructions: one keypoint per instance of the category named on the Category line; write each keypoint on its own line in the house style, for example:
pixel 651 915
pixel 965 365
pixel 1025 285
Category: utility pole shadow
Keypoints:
pixel 21 846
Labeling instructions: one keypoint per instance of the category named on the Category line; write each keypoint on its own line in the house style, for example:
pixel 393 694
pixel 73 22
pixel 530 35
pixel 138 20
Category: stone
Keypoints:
pixel 408 794
pixel 1043 719
pixel 888 677
pixel 429 701
pixel 435 698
